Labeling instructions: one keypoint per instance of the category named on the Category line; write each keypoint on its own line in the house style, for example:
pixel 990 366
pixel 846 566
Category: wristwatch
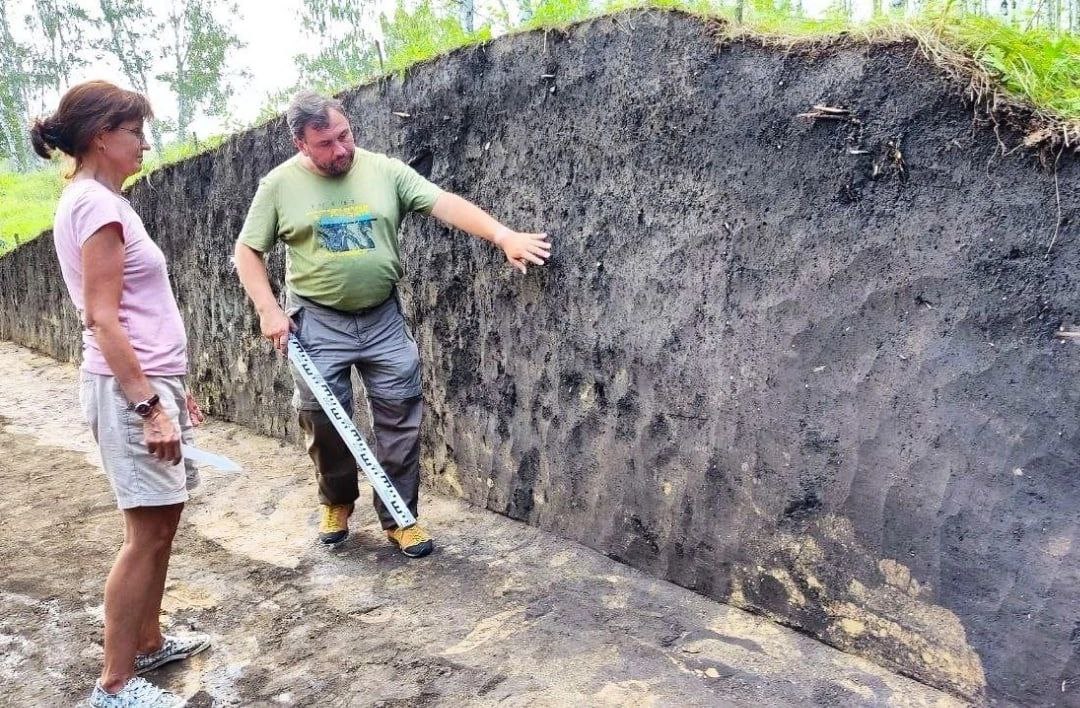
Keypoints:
pixel 145 408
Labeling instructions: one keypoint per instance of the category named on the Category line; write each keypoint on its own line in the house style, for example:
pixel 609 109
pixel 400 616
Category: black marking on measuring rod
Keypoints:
pixel 380 481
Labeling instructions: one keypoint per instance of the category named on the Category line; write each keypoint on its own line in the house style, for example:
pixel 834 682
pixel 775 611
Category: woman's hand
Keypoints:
pixel 162 437
pixel 194 412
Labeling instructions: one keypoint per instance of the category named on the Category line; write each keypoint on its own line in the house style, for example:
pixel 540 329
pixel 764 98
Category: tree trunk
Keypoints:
pixel 183 108
pixel 468 15
pixel 14 108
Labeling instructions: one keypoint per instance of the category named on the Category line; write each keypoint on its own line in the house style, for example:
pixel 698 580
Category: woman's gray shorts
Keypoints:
pixel 137 477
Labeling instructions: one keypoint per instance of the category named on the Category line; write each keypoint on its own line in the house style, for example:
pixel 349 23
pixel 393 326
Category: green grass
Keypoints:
pixel 1034 66
pixel 759 16
pixel 27 203
pixel 419 35
pixel 171 154
pixel 28 200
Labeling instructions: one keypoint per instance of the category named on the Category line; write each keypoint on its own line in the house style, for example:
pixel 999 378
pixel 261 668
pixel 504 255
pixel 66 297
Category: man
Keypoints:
pixel 338 210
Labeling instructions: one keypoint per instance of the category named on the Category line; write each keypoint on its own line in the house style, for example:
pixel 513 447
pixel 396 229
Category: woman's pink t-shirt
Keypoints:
pixel 148 311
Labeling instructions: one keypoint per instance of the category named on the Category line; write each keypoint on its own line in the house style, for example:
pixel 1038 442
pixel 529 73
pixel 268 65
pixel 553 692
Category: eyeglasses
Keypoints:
pixel 138 133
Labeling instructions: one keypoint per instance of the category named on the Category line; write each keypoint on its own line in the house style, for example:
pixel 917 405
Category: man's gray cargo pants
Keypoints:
pixel 378 343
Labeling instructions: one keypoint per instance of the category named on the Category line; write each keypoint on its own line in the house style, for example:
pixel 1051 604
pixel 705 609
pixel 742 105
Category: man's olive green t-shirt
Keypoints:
pixel 340 233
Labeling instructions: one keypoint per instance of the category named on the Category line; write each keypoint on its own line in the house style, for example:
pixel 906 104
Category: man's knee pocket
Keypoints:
pixel 304 400
pixel 398 378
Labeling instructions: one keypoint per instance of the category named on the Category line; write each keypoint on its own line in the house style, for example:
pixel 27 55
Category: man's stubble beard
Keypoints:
pixel 338 168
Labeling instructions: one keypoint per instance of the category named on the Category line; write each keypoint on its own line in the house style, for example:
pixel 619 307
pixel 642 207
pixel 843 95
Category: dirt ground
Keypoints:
pixel 502 614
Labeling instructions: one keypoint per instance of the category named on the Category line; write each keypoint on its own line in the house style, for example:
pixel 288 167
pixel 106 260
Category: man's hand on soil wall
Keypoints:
pixel 522 248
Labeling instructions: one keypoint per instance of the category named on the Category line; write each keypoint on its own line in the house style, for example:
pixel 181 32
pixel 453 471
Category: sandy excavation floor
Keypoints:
pixel 502 614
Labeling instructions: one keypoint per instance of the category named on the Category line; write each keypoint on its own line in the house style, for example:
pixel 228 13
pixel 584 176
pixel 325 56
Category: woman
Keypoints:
pixel 132 375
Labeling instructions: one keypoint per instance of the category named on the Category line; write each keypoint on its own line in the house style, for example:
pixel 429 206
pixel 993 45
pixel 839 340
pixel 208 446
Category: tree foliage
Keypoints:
pixel 60 26
pixel 345 53
pixel 126 35
pixel 187 48
pixel 423 32
pixel 196 50
pixel 17 81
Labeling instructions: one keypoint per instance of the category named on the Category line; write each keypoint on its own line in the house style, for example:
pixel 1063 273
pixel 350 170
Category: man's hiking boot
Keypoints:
pixel 334 523
pixel 172 649
pixel 136 693
pixel 413 541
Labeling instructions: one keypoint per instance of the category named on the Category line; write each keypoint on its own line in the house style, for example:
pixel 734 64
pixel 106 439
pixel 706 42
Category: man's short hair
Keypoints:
pixel 310 108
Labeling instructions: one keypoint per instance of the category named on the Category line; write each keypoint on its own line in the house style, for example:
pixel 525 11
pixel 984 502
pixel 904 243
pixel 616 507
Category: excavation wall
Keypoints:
pixel 803 366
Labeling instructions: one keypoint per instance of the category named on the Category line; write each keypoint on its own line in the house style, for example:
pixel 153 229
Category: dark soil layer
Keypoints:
pixel 804 367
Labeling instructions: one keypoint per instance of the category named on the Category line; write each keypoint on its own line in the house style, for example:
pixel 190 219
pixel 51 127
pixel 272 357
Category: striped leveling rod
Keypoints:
pixel 352 437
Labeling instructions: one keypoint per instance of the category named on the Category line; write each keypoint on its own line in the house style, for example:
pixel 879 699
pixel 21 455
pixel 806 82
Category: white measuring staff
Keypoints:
pixel 352 437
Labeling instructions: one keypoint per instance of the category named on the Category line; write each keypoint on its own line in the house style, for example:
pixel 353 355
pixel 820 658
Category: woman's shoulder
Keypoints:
pixel 90 198
pixel 85 205
pixel 87 193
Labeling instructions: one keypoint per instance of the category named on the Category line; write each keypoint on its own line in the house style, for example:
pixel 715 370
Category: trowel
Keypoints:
pixel 208 458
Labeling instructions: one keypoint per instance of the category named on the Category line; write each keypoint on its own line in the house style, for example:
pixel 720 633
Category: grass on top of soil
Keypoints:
pixel 1033 71
pixel 1005 66
pixel 28 199
pixel 27 203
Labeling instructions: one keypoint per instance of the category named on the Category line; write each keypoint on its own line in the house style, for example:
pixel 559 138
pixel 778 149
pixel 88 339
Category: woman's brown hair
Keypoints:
pixel 86 110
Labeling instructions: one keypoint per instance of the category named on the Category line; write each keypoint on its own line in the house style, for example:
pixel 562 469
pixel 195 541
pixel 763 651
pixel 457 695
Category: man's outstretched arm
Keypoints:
pixel 520 248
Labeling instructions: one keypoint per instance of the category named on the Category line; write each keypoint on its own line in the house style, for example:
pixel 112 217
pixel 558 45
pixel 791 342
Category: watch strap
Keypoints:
pixel 145 408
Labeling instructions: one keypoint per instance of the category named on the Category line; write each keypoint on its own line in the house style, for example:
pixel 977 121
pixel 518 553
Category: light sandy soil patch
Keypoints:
pixel 502 614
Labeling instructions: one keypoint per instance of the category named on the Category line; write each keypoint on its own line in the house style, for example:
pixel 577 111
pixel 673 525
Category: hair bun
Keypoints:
pixel 46 136
pixel 42 137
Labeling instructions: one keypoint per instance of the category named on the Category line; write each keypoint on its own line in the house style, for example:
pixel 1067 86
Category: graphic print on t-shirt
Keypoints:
pixel 345 228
